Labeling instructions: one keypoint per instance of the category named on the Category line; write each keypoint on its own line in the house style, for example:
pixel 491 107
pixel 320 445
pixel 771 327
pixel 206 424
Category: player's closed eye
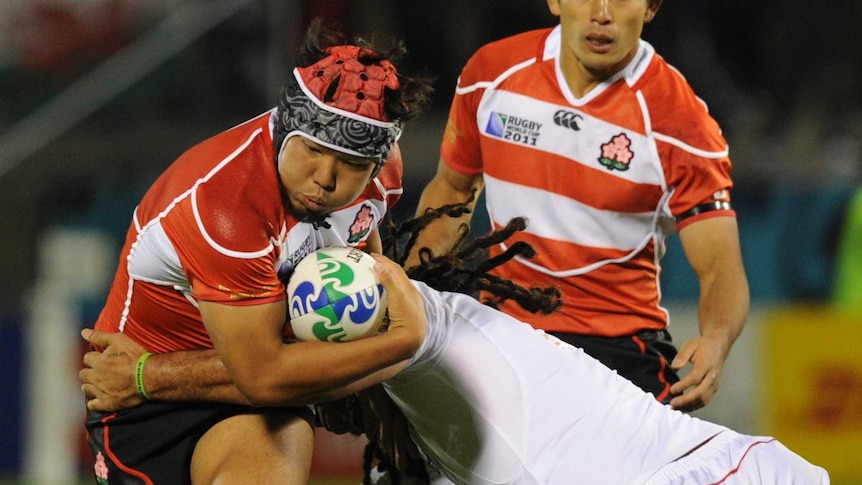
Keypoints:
pixel 360 165
pixel 312 148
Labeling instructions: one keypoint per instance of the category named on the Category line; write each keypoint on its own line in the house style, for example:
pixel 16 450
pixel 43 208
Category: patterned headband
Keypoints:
pixel 351 120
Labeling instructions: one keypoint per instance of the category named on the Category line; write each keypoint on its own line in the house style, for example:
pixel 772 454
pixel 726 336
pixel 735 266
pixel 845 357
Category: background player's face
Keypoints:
pixel 318 180
pixel 601 36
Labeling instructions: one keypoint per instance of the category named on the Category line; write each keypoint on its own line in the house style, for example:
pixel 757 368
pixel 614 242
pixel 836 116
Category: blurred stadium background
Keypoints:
pixel 98 96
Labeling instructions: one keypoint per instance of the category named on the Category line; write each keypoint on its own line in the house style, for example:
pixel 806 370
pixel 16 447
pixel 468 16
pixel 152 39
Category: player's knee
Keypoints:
pixel 240 449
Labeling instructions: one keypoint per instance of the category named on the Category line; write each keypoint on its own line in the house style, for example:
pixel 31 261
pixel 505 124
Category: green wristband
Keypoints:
pixel 139 375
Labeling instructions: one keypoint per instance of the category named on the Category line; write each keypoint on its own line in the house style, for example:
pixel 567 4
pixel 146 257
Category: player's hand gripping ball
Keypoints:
pixel 333 295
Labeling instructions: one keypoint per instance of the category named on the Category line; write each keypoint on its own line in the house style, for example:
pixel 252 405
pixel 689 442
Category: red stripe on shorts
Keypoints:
pixel 107 444
pixel 663 365
pixel 739 464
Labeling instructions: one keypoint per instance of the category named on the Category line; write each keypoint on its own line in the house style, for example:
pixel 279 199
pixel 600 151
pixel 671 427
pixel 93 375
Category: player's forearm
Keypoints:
pixel 712 248
pixel 724 306
pixel 440 235
pixel 195 375
pixel 357 386
pixel 324 370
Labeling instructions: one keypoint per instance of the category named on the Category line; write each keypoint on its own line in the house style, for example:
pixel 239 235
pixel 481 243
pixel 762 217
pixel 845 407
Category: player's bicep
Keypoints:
pixel 247 337
pixel 711 244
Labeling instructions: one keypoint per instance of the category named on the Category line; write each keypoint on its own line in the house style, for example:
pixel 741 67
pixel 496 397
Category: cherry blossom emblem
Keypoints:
pixel 361 225
pixel 616 154
pixel 101 469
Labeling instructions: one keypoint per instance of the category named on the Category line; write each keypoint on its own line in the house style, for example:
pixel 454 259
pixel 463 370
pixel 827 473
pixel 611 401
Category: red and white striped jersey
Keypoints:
pixel 214 228
pixel 600 178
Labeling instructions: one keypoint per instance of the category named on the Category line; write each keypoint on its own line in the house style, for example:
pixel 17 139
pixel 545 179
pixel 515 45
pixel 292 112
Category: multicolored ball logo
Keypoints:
pixel 334 296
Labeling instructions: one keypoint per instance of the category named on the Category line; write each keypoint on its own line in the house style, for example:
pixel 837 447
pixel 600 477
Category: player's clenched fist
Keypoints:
pixel 107 378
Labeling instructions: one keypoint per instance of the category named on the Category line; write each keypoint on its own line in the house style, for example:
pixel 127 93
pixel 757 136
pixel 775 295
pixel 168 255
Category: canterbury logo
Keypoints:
pixel 568 119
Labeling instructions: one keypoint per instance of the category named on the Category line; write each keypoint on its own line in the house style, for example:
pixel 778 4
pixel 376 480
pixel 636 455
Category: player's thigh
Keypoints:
pixel 273 446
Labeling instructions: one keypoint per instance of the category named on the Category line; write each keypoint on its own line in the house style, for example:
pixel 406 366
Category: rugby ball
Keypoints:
pixel 333 295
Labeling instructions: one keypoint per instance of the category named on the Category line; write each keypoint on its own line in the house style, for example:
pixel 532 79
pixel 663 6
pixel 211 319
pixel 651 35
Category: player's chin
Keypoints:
pixel 305 215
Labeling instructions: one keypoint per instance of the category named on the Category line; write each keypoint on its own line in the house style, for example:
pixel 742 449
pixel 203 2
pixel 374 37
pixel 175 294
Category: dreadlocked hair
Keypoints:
pixel 373 456
pixel 466 268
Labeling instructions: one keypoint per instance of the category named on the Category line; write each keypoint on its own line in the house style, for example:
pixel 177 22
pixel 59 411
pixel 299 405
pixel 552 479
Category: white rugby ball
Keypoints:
pixel 333 295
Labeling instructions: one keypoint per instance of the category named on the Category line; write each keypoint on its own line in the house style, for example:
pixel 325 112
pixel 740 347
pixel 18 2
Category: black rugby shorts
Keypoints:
pixel 154 442
pixel 643 358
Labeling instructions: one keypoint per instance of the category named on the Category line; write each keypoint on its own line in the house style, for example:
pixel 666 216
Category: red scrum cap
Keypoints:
pixel 342 81
pixel 339 102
